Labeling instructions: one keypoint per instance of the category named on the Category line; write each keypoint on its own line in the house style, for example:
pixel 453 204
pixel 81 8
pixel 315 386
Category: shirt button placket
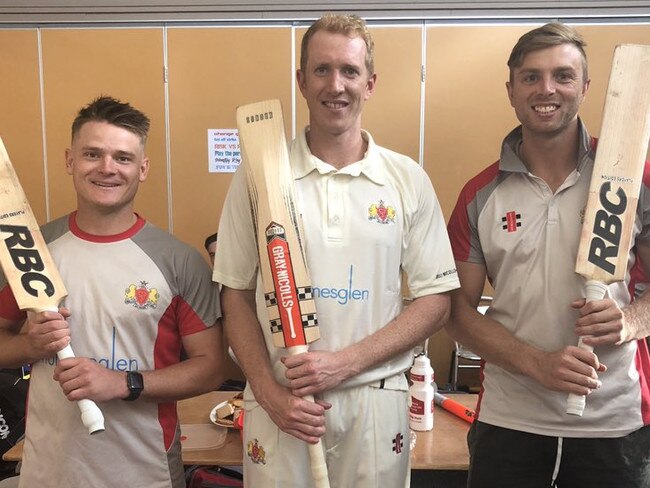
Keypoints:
pixel 334 208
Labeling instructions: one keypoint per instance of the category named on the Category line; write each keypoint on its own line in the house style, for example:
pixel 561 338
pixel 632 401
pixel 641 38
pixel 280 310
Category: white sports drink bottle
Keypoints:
pixel 421 395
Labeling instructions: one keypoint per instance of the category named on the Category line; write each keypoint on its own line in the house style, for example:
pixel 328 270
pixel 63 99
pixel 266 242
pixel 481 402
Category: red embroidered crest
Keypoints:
pixel 140 296
pixel 256 452
pixel 381 213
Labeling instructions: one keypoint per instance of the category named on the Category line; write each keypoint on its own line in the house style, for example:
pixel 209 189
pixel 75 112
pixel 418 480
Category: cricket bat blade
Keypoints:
pixel 616 180
pixel 29 268
pixel 285 276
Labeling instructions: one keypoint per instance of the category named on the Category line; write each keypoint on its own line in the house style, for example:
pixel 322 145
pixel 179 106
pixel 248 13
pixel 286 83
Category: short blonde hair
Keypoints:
pixel 349 25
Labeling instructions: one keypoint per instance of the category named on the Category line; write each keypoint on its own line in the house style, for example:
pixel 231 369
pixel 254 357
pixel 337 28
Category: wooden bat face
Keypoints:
pixel 29 268
pixel 24 256
pixel 287 285
pixel 618 169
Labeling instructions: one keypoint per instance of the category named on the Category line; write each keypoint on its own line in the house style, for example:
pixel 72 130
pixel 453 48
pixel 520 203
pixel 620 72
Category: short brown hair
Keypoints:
pixel 349 25
pixel 209 240
pixel 549 35
pixel 115 112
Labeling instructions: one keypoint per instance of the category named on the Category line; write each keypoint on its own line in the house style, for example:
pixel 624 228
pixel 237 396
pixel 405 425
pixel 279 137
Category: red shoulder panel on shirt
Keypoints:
pixel 458 227
pixel 8 307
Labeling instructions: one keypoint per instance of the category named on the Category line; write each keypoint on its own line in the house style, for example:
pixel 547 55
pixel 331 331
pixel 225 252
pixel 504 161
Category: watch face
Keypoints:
pixel 135 381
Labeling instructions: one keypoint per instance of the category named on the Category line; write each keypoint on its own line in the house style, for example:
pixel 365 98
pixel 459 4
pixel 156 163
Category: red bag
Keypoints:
pixel 212 477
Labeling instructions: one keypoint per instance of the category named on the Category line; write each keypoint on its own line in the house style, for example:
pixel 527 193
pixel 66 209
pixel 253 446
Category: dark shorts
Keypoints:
pixel 504 458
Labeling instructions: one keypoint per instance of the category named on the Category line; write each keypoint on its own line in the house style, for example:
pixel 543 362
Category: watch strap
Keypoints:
pixel 135 384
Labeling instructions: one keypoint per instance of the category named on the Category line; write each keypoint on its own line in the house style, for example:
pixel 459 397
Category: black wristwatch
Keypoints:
pixel 135 383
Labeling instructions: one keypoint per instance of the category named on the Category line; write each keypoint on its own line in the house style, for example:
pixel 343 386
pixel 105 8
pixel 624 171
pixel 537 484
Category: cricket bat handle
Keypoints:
pixel 91 415
pixel 318 464
pixel 595 290
pixel 316 454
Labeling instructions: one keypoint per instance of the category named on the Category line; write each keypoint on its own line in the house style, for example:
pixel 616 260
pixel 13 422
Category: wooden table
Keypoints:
pixel 443 448
pixel 191 411
pixel 197 411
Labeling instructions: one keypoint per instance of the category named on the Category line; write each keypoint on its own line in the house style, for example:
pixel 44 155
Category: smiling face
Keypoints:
pixel 335 83
pixel 107 164
pixel 548 88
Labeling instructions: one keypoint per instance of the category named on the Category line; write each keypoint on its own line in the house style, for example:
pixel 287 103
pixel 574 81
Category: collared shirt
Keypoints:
pixel 364 225
pixel 527 237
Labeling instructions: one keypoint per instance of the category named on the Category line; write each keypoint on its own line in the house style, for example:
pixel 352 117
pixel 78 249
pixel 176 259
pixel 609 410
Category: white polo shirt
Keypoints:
pixel 364 225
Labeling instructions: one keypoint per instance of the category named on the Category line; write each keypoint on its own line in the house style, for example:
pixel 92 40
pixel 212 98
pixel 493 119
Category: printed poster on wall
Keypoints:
pixel 223 150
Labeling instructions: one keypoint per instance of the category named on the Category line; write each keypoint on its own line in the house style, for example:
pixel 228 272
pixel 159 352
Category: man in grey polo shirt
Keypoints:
pixel 518 223
pixel 136 296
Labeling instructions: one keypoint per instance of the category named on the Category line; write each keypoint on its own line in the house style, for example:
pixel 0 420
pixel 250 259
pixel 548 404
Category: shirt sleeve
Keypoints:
pixel 199 305
pixel 463 224
pixel 236 259
pixel 643 209
pixel 428 260
pixel 8 307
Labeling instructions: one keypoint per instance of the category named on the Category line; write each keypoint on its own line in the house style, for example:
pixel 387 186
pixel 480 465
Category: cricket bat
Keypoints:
pixel 29 268
pixel 285 276
pixel 616 180
pixel 452 406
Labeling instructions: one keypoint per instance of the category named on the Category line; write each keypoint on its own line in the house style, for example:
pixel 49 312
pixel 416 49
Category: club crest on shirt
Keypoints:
pixel 379 212
pixel 140 296
pixel 256 452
